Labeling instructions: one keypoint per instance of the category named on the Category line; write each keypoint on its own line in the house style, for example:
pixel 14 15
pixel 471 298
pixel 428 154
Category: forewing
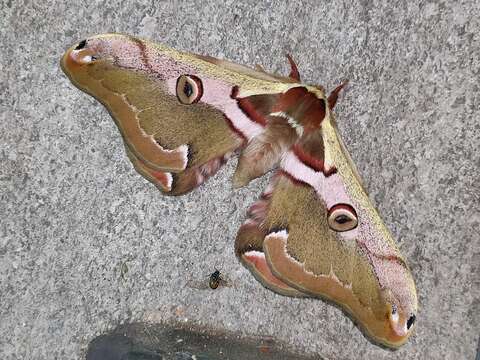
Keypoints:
pixel 291 246
pixel 175 140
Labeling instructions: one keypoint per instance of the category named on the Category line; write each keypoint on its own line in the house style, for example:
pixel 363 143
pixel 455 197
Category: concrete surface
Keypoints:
pixel 75 216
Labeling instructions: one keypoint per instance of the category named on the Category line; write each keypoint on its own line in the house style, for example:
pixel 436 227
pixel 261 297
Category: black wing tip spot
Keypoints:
pixel 81 45
pixel 410 322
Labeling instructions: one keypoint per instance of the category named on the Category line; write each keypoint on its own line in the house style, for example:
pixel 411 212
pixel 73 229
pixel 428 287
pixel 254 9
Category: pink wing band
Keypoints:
pixel 214 94
pixel 330 188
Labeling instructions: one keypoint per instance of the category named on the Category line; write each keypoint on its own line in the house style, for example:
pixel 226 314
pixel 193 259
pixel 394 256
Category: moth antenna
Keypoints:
pixel 333 97
pixel 294 74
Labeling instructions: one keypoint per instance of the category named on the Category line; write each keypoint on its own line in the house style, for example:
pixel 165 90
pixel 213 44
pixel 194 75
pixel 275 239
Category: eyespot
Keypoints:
pixel 189 89
pixel 342 217
pixel 410 322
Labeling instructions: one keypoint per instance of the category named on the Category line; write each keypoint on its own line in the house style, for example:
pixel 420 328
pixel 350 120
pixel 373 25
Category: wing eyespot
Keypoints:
pixel 342 217
pixel 189 89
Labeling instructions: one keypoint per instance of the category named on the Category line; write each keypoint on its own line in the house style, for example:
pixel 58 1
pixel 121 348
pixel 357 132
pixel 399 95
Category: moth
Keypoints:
pixel 313 232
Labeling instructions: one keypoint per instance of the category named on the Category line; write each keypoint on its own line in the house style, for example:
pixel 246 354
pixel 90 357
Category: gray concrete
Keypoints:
pixel 73 209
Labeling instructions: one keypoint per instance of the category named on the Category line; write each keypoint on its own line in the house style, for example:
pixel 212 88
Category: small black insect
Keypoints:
pixel 214 279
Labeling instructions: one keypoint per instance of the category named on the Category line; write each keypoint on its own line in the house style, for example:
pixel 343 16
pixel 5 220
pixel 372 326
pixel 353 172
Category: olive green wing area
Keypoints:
pixel 289 247
pixel 175 146
pixel 311 257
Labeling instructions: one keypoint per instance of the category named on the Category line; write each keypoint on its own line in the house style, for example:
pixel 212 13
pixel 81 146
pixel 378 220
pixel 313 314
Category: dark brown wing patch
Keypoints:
pixel 302 106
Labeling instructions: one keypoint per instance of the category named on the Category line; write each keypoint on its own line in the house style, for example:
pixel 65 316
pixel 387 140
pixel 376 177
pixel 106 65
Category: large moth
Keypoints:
pixel 314 231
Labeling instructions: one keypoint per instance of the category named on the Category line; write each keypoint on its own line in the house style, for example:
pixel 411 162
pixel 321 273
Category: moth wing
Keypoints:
pixel 249 244
pixel 175 111
pixel 286 249
pixel 258 72
pixel 289 245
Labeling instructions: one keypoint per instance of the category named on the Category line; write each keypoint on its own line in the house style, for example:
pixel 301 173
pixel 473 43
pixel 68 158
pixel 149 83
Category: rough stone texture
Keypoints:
pixel 73 209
